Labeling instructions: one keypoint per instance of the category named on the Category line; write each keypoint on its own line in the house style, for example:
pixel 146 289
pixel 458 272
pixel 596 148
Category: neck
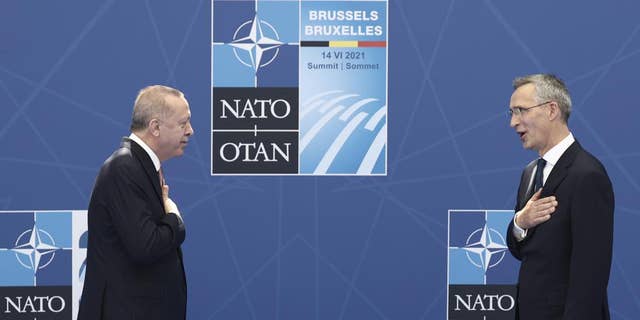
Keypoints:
pixel 149 140
pixel 554 138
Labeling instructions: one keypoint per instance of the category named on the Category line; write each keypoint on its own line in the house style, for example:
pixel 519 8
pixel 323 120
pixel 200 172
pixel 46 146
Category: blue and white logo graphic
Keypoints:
pixel 343 89
pixel 255 44
pixel 485 248
pixel 336 73
pixel 42 254
pixel 481 271
pixel 259 49
pixel 478 252
pixel 343 133
pixel 35 248
pixel 80 236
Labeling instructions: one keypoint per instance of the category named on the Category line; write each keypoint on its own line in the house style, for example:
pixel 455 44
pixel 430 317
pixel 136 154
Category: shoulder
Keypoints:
pixel 587 164
pixel 122 161
pixel 588 171
pixel 590 182
pixel 121 157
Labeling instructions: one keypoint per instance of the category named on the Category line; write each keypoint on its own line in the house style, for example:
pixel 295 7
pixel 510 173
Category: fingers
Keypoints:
pixel 542 206
pixel 545 205
pixel 541 219
pixel 537 210
pixel 535 199
pixel 165 191
pixel 536 195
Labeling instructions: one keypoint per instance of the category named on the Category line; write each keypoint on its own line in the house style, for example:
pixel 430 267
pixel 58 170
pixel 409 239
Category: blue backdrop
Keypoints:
pixel 328 247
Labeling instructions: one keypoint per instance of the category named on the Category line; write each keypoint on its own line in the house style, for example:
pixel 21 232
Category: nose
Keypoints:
pixel 513 122
pixel 189 130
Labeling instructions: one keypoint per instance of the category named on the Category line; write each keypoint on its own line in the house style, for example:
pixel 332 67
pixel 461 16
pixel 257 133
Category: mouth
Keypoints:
pixel 522 135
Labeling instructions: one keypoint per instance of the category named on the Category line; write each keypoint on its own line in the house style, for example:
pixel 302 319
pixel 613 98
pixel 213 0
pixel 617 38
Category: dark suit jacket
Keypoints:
pixel 134 262
pixel 566 260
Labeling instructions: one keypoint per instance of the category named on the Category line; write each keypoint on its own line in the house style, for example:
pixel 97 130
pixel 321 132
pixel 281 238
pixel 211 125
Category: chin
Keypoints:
pixel 177 154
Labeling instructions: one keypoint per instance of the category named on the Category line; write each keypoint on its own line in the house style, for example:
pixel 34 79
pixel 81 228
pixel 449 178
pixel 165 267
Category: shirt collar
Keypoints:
pixel 553 155
pixel 152 155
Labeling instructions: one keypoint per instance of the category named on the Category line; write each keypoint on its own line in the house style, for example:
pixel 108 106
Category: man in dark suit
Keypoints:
pixel 134 261
pixel 563 227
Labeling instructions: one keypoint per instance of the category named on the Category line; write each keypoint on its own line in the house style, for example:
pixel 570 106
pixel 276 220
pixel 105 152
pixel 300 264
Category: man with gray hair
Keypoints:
pixel 562 230
pixel 134 260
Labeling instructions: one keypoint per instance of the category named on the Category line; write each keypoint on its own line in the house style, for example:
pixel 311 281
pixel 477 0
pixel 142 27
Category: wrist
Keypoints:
pixel 517 221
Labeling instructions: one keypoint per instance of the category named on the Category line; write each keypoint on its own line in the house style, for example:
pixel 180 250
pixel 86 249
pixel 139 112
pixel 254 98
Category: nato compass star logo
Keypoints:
pixel 485 248
pixel 478 253
pixel 256 43
pixel 35 249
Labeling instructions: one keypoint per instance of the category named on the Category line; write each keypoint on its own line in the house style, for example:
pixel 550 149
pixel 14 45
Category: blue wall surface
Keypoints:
pixel 324 247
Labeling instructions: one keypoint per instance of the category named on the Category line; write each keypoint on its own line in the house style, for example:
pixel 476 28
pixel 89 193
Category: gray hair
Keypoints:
pixel 548 88
pixel 150 104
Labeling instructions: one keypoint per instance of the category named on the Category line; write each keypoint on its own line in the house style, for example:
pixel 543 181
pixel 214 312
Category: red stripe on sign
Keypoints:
pixel 372 43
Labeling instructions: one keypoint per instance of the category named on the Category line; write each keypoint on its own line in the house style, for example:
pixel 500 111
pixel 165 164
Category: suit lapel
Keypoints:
pixel 147 164
pixel 524 191
pixel 560 170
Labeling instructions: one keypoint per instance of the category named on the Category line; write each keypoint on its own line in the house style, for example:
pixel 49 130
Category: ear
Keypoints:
pixel 154 127
pixel 554 111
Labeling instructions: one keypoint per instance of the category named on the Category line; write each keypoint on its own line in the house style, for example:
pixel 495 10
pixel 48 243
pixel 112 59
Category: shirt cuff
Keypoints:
pixel 518 232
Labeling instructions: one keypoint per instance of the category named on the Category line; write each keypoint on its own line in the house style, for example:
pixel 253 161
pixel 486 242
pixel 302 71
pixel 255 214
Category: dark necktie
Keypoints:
pixel 537 181
pixel 161 177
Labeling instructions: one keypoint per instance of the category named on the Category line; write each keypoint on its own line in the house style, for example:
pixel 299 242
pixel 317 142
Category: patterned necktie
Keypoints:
pixel 537 181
